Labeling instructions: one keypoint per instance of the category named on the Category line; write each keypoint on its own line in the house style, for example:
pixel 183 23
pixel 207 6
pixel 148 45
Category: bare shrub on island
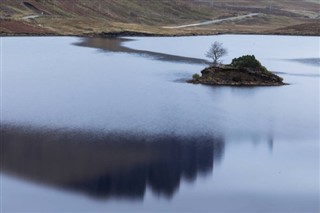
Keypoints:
pixel 216 52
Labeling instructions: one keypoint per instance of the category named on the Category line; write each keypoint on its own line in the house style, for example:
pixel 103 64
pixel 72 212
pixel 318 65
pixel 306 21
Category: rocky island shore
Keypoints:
pixel 243 71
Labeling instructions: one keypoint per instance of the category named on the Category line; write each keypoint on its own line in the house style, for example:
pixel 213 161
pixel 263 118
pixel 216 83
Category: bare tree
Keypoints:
pixel 216 52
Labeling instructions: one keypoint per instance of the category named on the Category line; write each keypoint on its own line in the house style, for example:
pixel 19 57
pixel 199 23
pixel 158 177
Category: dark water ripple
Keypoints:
pixel 307 61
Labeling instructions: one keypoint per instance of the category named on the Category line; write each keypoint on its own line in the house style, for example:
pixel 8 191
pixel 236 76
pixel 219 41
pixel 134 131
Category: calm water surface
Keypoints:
pixel 108 125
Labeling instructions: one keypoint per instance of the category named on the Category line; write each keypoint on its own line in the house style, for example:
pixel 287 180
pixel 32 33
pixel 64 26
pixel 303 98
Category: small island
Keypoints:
pixel 243 71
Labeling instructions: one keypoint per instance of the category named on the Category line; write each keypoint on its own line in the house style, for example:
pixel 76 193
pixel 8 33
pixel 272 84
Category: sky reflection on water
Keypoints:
pixel 118 129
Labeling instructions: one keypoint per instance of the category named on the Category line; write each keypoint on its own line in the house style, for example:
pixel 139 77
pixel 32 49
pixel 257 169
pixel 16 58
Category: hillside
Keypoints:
pixel 79 17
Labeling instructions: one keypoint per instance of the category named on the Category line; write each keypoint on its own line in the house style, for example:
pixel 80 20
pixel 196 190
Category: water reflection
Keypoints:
pixel 307 61
pixel 115 45
pixel 106 165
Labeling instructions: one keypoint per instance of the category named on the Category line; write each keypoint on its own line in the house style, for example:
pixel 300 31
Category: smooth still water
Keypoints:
pixel 109 125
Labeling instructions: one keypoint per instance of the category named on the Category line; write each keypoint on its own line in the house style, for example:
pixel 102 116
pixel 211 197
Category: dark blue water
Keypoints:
pixel 89 125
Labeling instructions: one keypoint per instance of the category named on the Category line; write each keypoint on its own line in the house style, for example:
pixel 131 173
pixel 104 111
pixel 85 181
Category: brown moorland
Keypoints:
pixel 158 17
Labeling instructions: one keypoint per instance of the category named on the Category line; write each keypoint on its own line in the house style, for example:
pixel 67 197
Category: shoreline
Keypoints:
pixel 147 34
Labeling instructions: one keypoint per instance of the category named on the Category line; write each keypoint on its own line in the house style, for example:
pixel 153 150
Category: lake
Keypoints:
pixel 110 125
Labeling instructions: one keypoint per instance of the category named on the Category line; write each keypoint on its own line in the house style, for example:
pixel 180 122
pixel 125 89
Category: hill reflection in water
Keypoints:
pixel 105 165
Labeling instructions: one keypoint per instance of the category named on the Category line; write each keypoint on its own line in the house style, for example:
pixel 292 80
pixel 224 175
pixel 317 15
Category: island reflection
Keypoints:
pixel 107 165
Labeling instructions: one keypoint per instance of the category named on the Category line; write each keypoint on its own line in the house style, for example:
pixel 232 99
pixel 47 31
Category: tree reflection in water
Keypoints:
pixel 103 165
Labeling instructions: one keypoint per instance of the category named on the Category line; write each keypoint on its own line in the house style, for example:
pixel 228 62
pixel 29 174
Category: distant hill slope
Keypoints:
pixel 79 17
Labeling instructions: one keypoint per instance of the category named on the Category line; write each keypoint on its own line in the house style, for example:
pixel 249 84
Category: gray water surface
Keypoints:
pixel 96 125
